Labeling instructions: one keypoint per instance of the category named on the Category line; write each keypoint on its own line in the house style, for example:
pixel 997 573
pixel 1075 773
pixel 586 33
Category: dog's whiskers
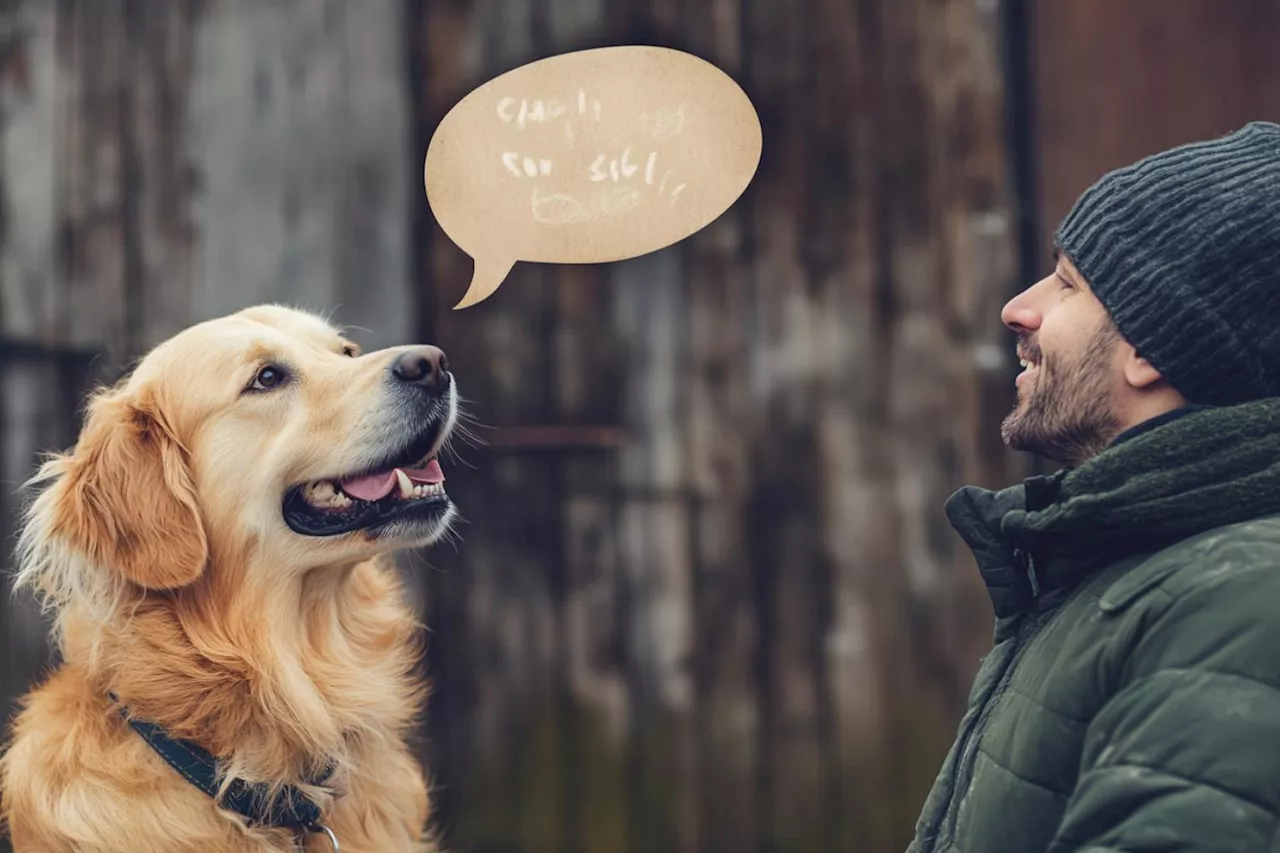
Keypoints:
pixel 452 455
pixel 451 536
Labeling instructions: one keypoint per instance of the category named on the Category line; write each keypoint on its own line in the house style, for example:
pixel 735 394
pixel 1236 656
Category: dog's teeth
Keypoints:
pixel 325 494
pixel 406 485
pixel 322 490
pixel 319 494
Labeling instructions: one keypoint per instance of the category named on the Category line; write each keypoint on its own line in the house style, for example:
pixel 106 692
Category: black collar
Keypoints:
pixel 290 809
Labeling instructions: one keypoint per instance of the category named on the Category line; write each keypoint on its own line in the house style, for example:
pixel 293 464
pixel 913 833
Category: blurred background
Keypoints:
pixel 706 598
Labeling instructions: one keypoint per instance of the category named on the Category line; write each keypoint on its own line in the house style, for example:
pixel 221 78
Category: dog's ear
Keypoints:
pixel 127 500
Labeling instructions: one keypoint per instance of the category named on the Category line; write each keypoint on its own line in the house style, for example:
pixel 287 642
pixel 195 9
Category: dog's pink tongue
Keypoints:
pixel 429 473
pixel 372 487
pixel 377 486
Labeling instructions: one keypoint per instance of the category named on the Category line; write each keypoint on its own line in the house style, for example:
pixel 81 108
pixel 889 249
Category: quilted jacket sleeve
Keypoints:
pixel 1185 755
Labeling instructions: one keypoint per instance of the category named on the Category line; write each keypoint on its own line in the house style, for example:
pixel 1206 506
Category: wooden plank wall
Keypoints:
pixel 748 628
pixel 1118 81
pixel 725 613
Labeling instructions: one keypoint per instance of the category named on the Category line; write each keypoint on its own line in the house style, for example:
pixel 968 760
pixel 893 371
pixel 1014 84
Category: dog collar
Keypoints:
pixel 291 808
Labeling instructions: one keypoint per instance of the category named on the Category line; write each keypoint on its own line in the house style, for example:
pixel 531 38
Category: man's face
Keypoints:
pixel 1067 394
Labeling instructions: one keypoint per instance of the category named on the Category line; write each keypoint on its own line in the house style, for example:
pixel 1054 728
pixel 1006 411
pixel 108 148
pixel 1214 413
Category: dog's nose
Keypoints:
pixel 426 367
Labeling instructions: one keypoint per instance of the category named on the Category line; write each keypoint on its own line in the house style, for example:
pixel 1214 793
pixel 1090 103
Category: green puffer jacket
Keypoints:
pixel 1131 701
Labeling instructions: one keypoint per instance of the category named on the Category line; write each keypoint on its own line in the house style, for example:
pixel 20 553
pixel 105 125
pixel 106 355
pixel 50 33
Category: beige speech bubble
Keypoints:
pixel 589 157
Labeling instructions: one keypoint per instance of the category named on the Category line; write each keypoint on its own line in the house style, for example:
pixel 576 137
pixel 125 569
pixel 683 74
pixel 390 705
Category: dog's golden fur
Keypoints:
pixel 158 545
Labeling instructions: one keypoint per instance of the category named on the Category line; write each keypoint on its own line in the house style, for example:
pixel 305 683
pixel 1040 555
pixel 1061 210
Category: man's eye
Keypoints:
pixel 268 377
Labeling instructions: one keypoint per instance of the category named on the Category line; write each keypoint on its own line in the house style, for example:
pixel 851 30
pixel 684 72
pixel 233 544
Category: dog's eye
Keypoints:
pixel 268 377
pixel 349 352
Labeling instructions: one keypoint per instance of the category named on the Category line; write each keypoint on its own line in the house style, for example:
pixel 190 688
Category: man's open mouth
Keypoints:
pixel 394 491
pixel 1029 361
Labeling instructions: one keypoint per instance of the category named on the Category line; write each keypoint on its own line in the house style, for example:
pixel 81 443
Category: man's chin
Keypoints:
pixel 1067 445
pixel 1013 429
pixel 1019 432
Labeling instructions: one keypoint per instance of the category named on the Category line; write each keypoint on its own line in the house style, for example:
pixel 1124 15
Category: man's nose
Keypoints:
pixel 425 367
pixel 1021 312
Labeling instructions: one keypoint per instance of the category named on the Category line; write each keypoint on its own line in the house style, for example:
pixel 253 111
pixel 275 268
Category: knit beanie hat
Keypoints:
pixel 1183 249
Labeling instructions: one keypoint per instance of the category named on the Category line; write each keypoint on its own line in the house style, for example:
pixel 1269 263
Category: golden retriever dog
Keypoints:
pixel 214 554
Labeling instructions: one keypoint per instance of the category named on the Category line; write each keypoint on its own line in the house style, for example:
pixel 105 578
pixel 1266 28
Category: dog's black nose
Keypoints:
pixel 425 367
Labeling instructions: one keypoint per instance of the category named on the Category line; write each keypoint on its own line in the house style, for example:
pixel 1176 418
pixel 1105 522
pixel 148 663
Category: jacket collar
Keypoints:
pixel 1158 421
pixel 1188 470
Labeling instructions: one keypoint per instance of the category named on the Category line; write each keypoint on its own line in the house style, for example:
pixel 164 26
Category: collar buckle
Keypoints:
pixel 320 828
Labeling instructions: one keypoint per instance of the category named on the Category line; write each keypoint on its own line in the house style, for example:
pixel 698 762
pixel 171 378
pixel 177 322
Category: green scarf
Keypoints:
pixel 1210 467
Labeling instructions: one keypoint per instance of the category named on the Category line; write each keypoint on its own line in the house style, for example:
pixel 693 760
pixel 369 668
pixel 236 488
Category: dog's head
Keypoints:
pixel 265 437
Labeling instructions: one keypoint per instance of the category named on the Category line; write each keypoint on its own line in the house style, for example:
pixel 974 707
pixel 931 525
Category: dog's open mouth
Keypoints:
pixel 391 492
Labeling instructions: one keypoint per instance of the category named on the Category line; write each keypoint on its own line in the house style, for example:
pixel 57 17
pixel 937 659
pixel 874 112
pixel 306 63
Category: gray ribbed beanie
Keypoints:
pixel 1183 249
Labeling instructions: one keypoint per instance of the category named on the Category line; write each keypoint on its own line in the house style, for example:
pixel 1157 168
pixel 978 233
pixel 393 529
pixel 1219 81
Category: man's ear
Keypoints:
pixel 127 500
pixel 1139 372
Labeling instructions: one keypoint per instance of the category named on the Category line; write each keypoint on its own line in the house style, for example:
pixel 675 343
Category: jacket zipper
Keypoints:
pixel 966 755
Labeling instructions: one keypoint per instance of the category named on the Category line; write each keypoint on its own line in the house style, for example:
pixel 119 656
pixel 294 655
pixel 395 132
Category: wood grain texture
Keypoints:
pixel 705 597
pixel 1117 84
pixel 768 627
pixel 298 136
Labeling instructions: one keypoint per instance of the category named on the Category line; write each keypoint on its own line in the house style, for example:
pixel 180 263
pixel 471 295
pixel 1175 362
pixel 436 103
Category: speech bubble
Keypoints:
pixel 589 157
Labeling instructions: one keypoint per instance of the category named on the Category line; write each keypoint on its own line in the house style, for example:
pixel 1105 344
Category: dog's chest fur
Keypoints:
pixel 77 777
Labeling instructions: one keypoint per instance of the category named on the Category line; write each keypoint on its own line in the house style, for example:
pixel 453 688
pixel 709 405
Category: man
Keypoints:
pixel 1132 697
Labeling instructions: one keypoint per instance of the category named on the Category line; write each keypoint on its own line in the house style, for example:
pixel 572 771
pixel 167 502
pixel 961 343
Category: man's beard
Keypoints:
pixel 1065 412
